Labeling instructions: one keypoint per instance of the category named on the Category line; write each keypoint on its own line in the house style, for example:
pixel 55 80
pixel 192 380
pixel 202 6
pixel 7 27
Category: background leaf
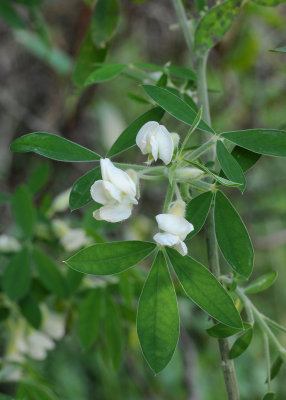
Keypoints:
pixel 89 55
pixel 127 138
pixel 24 211
pixel 232 236
pixel 105 20
pixel 49 274
pixel 271 142
pixel 110 258
pixel 157 317
pixel 39 177
pixel 105 73
pixel 175 106
pixel 89 318
pixel 54 147
pixel 17 276
pixel 204 289
pixel 197 211
pixel 112 332
pixel 31 311
pixel 214 24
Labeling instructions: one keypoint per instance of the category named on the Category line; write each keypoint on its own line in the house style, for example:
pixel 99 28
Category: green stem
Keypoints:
pixel 169 197
pixel 202 149
pixel 267 356
pixel 212 250
pixel 262 324
pixel 180 11
pixel 274 323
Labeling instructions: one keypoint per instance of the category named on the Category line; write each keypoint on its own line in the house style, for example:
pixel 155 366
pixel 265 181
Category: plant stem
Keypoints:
pixel 180 11
pixel 262 324
pixel 169 197
pixel 227 364
pixel 267 356
pixel 274 323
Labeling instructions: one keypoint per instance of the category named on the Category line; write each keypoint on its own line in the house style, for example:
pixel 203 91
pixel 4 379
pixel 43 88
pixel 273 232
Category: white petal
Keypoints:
pixel 174 224
pixel 181 248
pixel 144 133
pixel 165 144
pixel 97 192
pixel 119 178
pixel 166 239
pixel 154 147
pixel 113 213
pixel 111 191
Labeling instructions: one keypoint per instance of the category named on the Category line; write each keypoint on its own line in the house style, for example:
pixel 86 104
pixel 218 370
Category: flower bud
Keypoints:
pixel 187 173
pixel 176 139
pixel 178 208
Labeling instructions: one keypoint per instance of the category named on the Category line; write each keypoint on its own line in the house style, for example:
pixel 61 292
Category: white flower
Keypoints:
pixel 53 323
pixel 155 139
pixel 74 239
pixel 38 343
pixel 116 191
pixel 175 227
pixel 8 244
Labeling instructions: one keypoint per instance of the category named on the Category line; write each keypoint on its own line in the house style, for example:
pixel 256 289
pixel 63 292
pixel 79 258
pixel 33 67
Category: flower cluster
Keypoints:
pixel 117 189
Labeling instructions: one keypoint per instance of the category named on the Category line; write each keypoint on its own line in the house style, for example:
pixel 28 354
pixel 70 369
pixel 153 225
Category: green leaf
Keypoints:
pixel 271 142
pixel 221 331
pixel 105 20
pixel 49 274
pixel 230 166
pixel 105 73
pixel 149 66
pixel 50 55
pixel 182 72
pixel 39 177
pixel 174 106
pixel 197 211
pixel 157 317
pixel 110 258
pixel 89 55
pixel 214 24
pixel 204 289
pixel 54 147
pixel 232 236
pixel 73 280
pixel 275 368
pixel 245 158
pixel 241 344
pixel 9 14
pixel 80 193
pixel 218 178
pixel 89 318
pixel 17 276
pixel 31 311
pixel 23 210
pixel 112 332
pixel 127 138
pixel 190 102
pixel 279 50
pixel 261 283
pixel 269 396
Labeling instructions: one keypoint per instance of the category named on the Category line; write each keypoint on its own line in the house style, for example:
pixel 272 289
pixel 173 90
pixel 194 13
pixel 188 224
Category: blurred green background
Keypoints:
pixel 248 86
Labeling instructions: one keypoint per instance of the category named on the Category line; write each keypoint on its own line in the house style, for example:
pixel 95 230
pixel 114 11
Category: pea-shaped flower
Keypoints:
pixel 116 191
pixel 175 227
pixel 155 139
